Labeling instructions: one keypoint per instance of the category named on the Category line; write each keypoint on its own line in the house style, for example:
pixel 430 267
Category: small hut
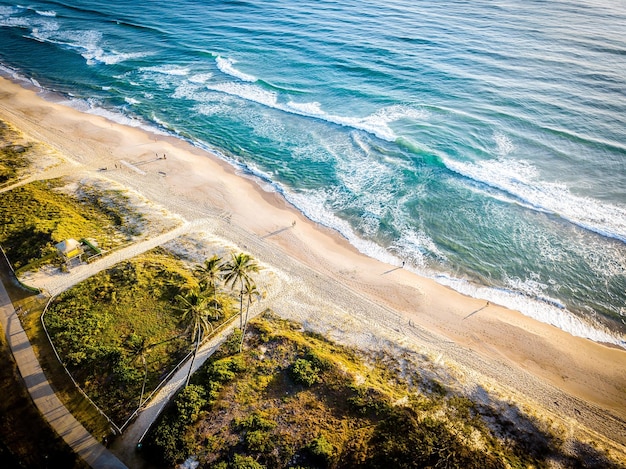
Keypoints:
pixel 69 248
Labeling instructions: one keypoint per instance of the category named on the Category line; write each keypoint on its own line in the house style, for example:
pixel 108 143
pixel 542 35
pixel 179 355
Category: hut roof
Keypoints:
pixel 67 246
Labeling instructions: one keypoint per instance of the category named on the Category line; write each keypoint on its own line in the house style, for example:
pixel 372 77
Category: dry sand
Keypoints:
pixel 334 289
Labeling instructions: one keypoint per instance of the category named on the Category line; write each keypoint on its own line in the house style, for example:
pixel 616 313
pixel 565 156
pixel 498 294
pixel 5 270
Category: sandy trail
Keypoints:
pixel 53 284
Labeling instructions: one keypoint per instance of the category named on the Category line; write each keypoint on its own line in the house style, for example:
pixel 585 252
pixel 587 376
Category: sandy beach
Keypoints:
pixel 334 289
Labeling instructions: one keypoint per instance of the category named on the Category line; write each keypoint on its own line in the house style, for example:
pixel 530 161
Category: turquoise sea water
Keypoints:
pixel 483 142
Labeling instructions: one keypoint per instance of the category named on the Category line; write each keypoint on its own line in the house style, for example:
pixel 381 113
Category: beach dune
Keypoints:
pixel 570 377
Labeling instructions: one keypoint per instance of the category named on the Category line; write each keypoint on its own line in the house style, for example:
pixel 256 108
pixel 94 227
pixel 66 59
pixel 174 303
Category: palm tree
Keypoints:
pixel 138 348
pixel 193 303
pixel 238 270
pixel 250 292
pixel 210 272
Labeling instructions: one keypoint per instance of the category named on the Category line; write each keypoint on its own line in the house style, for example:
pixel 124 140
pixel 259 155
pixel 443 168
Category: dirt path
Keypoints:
pixel 57 283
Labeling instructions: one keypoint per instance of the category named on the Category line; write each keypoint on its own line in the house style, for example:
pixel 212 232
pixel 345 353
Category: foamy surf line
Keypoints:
pixel 226 66
pixel 515 178
pixel 547 312
pixel 375 124
pixel 538 310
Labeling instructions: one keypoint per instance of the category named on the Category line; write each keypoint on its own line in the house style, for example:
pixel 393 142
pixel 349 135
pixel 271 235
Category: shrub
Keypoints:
pixel 190 402
pixel 319 363
pixel 231 345
pixel 303 372
pixel 259 441
pixel 256 421
pixel 367 400
pixel 321 451
pixel 245 462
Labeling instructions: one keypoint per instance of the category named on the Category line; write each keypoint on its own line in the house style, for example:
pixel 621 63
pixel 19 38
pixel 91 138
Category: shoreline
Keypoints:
pixel 602 330
pixel 194 183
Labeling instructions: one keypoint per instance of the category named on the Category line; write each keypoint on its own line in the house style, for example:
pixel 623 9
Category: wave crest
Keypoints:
pixel 520 179
pixel 226 65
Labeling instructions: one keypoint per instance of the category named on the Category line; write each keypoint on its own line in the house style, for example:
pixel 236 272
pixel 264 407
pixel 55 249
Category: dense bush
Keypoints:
pixel 276 405
pixel 304 372
pixel 321 451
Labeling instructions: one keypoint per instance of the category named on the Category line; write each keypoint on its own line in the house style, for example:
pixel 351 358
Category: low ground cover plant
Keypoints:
pixel 295 399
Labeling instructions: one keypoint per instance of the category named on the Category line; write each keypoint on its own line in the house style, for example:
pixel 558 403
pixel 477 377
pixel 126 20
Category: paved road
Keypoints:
pixel 53 410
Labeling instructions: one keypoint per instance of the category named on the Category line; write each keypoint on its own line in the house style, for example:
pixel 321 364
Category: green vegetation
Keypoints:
pixel 36 216
pixel 295 399
pixel 120 332
pixel 13 157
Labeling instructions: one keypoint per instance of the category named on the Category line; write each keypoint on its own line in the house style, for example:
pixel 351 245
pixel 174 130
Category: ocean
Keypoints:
pixel 482 143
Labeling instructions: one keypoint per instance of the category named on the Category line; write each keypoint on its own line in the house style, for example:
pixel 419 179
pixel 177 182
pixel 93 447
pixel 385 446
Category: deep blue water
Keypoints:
pixel 483 142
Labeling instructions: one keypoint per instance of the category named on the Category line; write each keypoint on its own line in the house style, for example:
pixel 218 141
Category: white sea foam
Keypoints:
pixel 412 247
pixel 91 106
pixel 309 109
pixel 49 13
pixel 533 288
pixel 201 78
pixel 112 57
pixel 6 11
pixel 87 43
pixel 186 90
pixel 376 124
pixel 226 65
pixel 131 101
pixel 313 205
pixel 248 92
pixel 520 179
pixel 165 77
pixel 504 146
pixel 210 109
pixel 167 69
pixel 547 311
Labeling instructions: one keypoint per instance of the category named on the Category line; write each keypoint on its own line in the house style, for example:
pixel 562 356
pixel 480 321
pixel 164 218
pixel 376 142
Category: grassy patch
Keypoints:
pixel 13 156
pixel 106 326
pixel 36 216
pixel 294 399
pixel 112 328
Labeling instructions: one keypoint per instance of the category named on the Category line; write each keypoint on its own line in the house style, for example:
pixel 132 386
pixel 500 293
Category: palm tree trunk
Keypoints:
pixel 193 357
pixel 145 376
pixel 245 324
pixel 241 306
